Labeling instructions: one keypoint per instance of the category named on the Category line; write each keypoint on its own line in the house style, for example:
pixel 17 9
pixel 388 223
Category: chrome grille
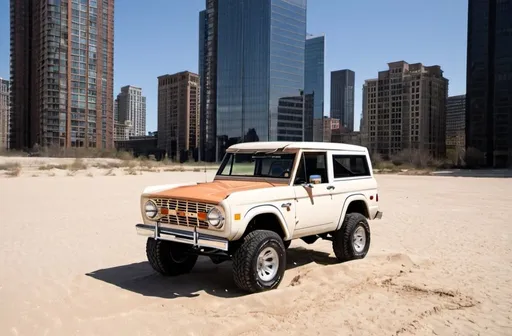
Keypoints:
pixel 186 206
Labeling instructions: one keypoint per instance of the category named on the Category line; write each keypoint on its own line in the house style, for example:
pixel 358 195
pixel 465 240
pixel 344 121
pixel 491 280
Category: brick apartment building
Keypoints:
pixel 405 107
pixel 178 113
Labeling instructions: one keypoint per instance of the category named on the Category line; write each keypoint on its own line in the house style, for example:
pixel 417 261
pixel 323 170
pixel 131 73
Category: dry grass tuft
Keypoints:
pixel 51 166
pixel 131 171
pixel 14 171
pixel 89 174
pixel 110 173
pixel 10 166
pixel 175 169
pixel 78 164
pixel 109 165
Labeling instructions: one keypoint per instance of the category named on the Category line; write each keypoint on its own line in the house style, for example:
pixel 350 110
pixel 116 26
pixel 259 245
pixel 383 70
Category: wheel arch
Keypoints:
pixel 354 203
pixel 265 217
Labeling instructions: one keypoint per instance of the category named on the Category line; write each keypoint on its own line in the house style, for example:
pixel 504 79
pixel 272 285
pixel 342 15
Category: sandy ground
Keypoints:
pixel 439 264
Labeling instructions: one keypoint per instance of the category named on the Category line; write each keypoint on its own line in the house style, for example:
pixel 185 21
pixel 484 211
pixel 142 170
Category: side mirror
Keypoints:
pixel 315 179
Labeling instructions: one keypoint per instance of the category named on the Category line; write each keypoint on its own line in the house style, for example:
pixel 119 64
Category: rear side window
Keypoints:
pixel 350 166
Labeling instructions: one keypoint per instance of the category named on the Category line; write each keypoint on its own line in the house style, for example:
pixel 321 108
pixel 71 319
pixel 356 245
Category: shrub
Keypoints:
pixel 78 164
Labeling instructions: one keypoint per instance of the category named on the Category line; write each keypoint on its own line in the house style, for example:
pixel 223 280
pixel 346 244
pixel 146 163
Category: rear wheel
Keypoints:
pixel 170 258
pixel 352 240
pixel 259 263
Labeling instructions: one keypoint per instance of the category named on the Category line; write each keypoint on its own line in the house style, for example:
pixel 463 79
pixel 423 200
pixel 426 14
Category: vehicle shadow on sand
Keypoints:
pixel 214 279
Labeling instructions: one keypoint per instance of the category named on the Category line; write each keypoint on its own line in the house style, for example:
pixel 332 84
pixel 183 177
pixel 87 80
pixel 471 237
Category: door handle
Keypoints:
pixel 286 205
pixel 331 187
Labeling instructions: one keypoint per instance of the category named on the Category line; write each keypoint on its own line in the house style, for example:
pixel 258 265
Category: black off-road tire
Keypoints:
pixel 287 244
pixel 245 261
pixel 170 258
pixel 342 242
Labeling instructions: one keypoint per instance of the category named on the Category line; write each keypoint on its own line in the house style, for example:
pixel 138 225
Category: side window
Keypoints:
pixel 312 164
pixel 350 166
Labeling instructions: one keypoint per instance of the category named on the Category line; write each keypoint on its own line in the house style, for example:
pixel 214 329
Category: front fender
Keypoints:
pixel 348 200
pixel 263 209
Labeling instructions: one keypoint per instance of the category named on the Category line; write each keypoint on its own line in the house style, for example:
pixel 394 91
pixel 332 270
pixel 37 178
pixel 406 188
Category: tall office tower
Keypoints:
pixel 455 122
pixel 342 97
pixel 116 110
pixel 489 81
pixel 251 61
pixel 5 113
pixel 208 29
pixel 314 83
pixel 178 113
pixel 62 56
pixel 363 125
pixel 131 106
pixel 406 108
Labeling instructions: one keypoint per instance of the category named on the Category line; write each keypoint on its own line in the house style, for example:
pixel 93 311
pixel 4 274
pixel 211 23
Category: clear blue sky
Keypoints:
pixel 156 37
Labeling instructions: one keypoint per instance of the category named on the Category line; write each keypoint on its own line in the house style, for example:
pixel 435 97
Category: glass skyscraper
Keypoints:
pixel 257 81
pixel 489 83
pixel 314 85
pixel 342 97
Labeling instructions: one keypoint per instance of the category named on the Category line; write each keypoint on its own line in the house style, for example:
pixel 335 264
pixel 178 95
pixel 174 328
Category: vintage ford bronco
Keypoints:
pixel 264 195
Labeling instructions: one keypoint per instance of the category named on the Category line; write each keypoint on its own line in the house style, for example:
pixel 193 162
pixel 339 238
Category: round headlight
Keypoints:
pixel 215 218
pixel 150 209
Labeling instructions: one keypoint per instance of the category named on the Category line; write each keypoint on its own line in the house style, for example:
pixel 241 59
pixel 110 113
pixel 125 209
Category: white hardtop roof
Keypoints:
pixel 284 145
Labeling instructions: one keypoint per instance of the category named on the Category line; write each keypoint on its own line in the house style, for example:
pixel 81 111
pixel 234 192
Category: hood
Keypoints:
pixel 211 192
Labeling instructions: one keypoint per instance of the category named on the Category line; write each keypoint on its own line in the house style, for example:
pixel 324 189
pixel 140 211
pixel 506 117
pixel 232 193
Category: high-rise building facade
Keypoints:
pixel 314 82
pixel 178 113
pixel 342 97
pixel 5 113
pixel 363 124
pixel 330 125
pixel 62 73
pixel 131 106
pixel 489 81
pixel 252 60
pixel 406 109
pixel 116 110
pixel 208 32
pixel 456 122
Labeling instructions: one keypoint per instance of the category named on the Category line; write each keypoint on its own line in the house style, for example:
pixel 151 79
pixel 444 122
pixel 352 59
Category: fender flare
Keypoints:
pixel 348 200
pixel 264 209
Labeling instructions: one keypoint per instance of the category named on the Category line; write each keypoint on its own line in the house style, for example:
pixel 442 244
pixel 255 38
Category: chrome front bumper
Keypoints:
pixel 187 237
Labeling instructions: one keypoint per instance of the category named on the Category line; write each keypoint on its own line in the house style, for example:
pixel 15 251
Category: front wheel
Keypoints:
pixel 352 240
pixel 259 263
pixel 170 258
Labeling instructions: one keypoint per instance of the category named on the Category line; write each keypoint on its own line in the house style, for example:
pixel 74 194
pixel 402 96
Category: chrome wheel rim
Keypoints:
pixel 268 263
pixel 359 239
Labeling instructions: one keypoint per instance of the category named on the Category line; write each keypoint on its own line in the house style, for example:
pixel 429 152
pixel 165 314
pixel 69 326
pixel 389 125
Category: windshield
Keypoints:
pixel 257 165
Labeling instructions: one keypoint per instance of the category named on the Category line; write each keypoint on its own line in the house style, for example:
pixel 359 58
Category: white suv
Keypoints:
pixel 264 195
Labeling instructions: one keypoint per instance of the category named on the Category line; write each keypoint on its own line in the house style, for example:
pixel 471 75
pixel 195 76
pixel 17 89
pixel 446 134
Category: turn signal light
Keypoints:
pixel 201 216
